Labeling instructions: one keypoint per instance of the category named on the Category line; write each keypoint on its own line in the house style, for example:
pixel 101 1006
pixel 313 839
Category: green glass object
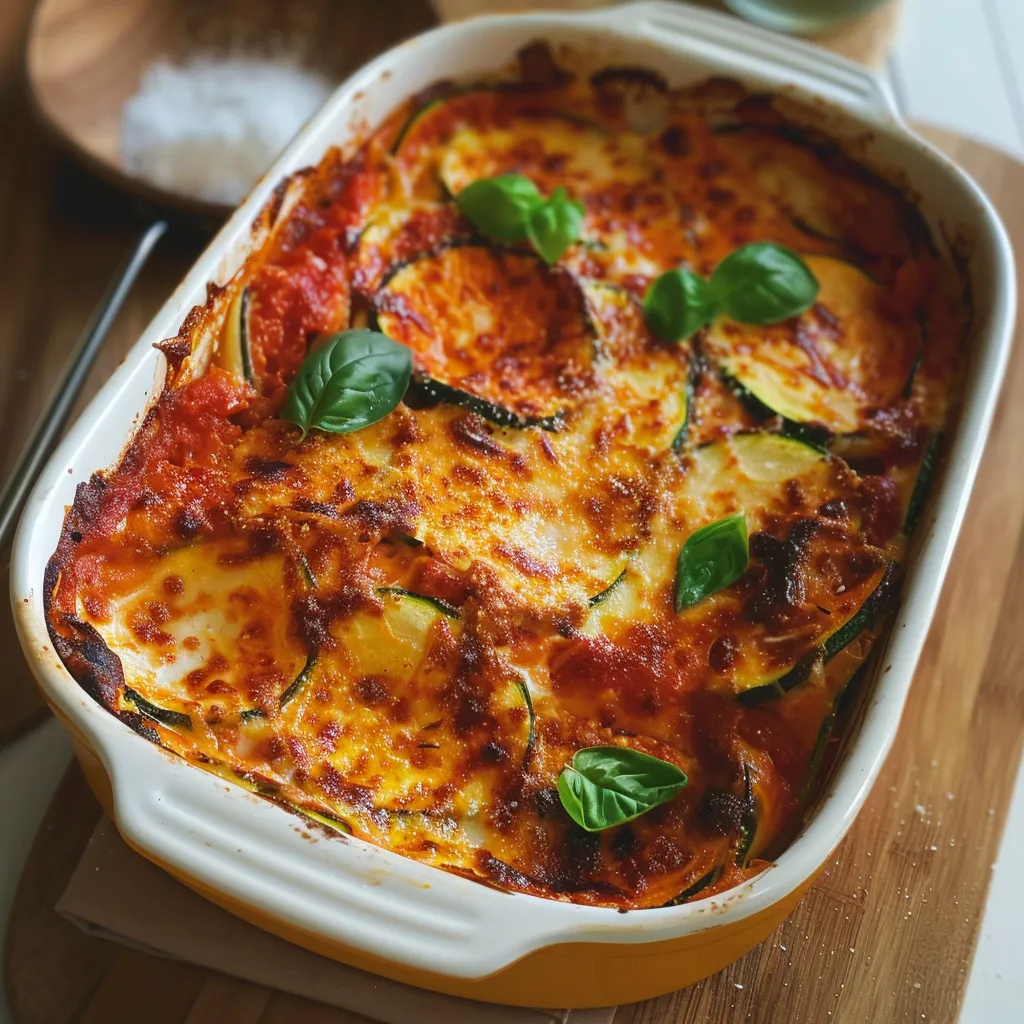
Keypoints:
pixel 803 17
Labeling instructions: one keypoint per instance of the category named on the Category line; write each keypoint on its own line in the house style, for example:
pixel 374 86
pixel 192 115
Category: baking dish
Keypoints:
pixel 370 907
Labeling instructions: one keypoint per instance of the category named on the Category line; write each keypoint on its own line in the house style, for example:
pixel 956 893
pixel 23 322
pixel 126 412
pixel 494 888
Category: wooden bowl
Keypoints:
pixel 86 57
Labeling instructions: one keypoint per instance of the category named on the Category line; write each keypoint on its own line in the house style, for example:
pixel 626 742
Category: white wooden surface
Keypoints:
pixel 960 64
pixel 957 64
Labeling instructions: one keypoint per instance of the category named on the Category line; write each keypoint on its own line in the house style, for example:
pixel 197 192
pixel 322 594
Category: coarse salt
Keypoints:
pixel 210 127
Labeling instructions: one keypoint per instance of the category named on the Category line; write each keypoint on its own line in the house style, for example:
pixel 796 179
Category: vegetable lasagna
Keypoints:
pixel 540 488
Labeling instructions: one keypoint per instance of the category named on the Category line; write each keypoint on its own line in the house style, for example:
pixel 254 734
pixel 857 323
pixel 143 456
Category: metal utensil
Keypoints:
pixel 47 430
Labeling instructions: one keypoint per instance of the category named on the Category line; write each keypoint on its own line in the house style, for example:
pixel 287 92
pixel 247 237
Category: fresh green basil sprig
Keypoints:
pixel 353 380
pixel 760 283
pixel 607 786
pixel 712 558
pixel 510 208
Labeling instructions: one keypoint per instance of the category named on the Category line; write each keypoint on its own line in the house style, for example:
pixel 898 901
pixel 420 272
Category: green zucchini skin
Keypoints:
pixel 818 754
pixel 408 538
pixel 436 603
pixel 500 87
pixel 843 700
pixel 244 338
pixel 702 883
pixel 307 572
pixel 915 366
pixel 606 593
pixel 810 434
pixel 748 824
pixel 877 605
pixel 325 820
pixel 874 608
pixel 692 383
pixel 812 232
pixel 847 250
pixel 234 348
pixel 426 390
pixel 532 735
pixel 174 719
pixel 435 104
pixel 254 714
pixel 922 486
pixel 848 631
pixel 302 678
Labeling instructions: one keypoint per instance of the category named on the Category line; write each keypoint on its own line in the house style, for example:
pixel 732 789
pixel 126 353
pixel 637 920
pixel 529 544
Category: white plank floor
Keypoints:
pixel 957 64
pixel 953 65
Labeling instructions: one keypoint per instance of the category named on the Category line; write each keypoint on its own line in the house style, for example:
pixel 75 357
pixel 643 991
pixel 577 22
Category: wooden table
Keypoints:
pixel 887 933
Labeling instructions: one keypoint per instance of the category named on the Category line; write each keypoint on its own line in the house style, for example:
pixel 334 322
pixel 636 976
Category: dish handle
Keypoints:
pixel 727 39
pixel 261 862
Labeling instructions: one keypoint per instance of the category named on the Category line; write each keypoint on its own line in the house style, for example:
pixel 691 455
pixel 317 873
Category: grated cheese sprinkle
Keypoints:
pixel 209 128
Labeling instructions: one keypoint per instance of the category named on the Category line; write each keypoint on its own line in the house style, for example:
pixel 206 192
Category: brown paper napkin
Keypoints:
pixel 171 920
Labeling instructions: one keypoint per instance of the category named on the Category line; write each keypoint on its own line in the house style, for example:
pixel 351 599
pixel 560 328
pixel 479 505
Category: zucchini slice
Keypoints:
pixel 334 824
pixel 554 149
pixel 832 365
pixel 434 602
pixel 307 572
pixel 395 643
pixel 603 596
pixel 235 351
pixel 497 325
pixel 704 882
pixel 651 382
pixel 531 737
pixel 922 486
pixel 298 684
pixel 402 655
pixel 482 131
pixel 290 692
pixel 823 195
pixel 915 366
pixel 401 233
pixel 425 390
pixel 838 637
pixel 748 823
pixel 439 117
pixel 761 465
pixel 173 719
pixel 818 754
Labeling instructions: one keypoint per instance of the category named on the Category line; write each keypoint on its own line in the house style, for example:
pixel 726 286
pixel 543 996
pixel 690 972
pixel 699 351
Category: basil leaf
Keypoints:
pixel 762 283
pixel 677 304
pixel 607 786
pixel 711 559
pixel 554 224
pixel 353 380
pixel 499 207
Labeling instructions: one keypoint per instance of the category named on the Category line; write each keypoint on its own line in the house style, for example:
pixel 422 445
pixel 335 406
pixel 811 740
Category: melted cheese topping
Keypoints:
pixel 407 631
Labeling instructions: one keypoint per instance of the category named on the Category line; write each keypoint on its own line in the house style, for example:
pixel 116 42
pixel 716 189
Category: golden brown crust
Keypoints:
pixel 353 624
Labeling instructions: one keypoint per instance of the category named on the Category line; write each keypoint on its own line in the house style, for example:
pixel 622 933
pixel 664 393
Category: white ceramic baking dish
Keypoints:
pixel 371 907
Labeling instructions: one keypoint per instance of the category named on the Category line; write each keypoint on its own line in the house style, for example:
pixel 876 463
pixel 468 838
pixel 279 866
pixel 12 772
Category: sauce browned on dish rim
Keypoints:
pixel 407 631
